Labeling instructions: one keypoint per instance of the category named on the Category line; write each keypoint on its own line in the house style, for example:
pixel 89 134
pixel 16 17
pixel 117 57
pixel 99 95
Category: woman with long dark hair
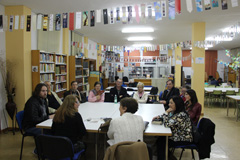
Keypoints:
pixel 192 106
pixel 177 119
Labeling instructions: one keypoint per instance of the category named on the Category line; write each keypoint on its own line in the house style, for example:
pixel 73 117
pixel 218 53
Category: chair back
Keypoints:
pixel 130 89
pixel 125 79
pixel 210 86
pixel 19 118
pixel 230 92
pixel 154 91
pixel 54 147
pixel 219 87
pixel 107 97
pixel 217 92
pixel 227 86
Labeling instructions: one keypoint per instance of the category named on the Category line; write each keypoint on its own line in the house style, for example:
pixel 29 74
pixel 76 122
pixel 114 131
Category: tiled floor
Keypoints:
pixel 227 137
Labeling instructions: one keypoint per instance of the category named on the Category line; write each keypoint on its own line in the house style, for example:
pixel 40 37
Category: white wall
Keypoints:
pixel 92 52
pixel 3 98
pixel 220 67
pixel 187 71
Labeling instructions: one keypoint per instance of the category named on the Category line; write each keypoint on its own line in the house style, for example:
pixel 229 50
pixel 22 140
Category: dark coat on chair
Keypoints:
pixel 113 92
pixel 167 96
pixel 207 130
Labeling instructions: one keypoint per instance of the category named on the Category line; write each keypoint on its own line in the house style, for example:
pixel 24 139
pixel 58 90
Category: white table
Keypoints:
pixel 93 113
pixel 134 88
pixel 236 98
pixel 224 90
pixel 130 92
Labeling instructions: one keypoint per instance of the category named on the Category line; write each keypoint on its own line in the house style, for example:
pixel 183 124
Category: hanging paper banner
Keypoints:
pixel 85 18
pixel 105 16
pixel 143 17
pixel 16 22
pixel 92 18
pixel 118 19
pixel 178 6
pixel 149 8
pixel 124 15
pixel 189 5
pixel 1 23
pixel 28 29
pixel 65 20
pixel 207 4
pixel 58 22
pixel 214 3
pixel 11 23
pixel 163 8
pixel 234 3
pixel 98 20
pixel 71 21
pixel 45 22
pixel 158 13
pixel 78 20
pixel 224 5
pixel 51 22
pixel 111 17
pixel 171 8
pixel 199 5
pixel 39 21
pixel 22 22
pixel 33 22
pixel 137 13
pixel 130 14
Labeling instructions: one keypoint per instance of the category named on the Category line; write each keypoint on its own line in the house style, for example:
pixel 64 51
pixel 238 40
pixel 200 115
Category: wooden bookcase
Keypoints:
pixel 50 67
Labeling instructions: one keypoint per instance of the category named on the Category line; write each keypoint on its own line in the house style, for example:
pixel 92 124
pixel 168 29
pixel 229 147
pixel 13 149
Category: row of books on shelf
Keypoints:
pixel 60 70
pixel 78 61
pixel 60 78
pixel 45 57
pixel 59 87
pixel 78 72
pixel 46 77
pixel 60 59
pixel 46 67
pixel 85 72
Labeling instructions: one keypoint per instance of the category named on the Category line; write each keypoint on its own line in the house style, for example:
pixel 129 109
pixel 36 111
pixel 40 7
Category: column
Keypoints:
pixel 99 56
pixel 178 65
pixel 198 67
pixel 18 56
pixel 86 47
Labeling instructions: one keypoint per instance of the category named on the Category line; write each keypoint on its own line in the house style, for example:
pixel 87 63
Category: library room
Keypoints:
pixel 132 80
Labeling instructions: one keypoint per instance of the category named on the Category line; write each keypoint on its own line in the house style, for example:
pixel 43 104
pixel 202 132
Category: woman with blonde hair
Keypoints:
pixel 140 95
pixel 68 122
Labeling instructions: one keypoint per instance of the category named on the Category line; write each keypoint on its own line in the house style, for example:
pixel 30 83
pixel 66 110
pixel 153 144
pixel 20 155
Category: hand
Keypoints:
pixel 51 116
pixel 98 97
pixel 155 118
pixel 169 110
pixel 120 96
pixel 163 102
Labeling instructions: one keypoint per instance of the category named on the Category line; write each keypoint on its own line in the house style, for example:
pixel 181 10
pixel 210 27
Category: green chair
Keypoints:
pixel 227 86
pixel 217 95
pixel 219 87
pixel 210 86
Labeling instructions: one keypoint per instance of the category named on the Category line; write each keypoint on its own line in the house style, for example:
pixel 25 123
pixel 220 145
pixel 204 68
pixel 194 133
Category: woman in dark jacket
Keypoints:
pixel 68 122
pixel 192 106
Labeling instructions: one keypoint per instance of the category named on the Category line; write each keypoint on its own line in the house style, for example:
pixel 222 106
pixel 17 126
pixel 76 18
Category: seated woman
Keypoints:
pixel 140 95
pixel 192 106
pixel 183 92
pixel 96 95
pixel 179 122
pixel 128 127
pixel 68 122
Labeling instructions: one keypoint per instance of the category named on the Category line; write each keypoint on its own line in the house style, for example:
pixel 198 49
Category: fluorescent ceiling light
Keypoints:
pixel 141 45
pixel 140 39
pixel 206 48
pixel 219 39
pixel 137 30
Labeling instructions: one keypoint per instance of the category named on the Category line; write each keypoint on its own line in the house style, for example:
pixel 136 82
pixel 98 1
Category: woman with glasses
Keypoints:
pixel 68 122
pixel 140 95
pixel 96 95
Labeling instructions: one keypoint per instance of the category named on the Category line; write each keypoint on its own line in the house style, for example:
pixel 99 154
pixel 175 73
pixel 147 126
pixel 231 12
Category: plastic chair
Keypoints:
pixel 56 147
pixel 227 86
pixel 19 118
pixel 210 86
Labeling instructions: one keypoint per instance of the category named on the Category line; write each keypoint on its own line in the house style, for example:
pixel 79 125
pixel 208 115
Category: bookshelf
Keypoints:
pixel 49 67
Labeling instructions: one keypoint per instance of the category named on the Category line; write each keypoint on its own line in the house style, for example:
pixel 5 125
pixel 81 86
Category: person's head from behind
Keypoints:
pixel 176 103
pixel 119 82
pixel 191 96
pixel 128 105
pixel 48 84
pixel 68 108
pixel 170 84
pixel 230 83
pixel 97 86
pixel 140 87
pixel 219 80
pixel 40 90
pixel 74 85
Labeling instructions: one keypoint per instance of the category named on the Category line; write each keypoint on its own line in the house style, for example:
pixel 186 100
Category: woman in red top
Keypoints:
pixel 192 106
